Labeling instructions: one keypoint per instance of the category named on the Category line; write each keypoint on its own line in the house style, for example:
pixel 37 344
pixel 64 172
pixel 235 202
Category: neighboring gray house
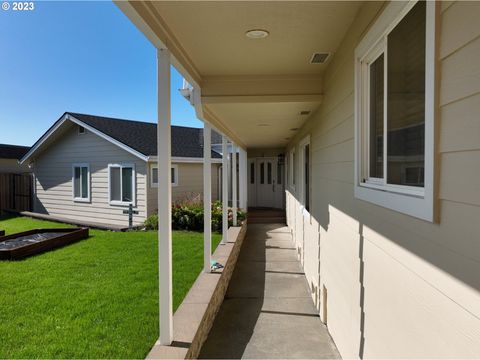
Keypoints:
pixel 9 157
pixel 90 168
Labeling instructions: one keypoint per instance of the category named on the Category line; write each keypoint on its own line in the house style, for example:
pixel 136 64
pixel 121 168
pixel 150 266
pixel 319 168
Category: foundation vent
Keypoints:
pixel 319 58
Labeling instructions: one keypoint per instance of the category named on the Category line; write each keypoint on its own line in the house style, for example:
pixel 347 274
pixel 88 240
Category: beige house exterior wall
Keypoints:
pixel 12 166
pixel 190 184
pixel 53 179
pixel 397 286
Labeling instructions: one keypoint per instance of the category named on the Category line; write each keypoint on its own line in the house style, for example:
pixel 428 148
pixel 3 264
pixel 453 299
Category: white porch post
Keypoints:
pixel 242 179
pixel 234 184
pixel 164 198
pixel 224 190
pixel 207 197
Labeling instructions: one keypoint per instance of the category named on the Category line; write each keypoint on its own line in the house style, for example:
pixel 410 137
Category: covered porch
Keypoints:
pixel 254 72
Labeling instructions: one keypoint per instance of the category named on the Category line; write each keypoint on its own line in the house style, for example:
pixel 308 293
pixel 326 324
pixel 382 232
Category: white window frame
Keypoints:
pixel 134 184
pixel 301 186
pixel 410 200
pixel 80 199
pixel 175 173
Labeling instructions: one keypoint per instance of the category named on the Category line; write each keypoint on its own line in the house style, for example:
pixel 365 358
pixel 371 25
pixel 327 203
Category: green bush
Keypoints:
pixel 189 216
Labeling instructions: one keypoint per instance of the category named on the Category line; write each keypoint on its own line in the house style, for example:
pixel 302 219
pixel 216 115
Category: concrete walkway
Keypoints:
pixel 268 312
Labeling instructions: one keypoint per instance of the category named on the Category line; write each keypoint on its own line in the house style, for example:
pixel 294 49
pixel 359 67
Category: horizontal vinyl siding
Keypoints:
pixel 53 174
pixel 417 281
pixel 190 185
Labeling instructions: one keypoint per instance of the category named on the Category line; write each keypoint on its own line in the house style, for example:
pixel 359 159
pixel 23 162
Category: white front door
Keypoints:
pixel 265 182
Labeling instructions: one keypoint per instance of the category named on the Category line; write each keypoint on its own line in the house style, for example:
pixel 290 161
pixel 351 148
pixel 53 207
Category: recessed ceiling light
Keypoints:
pixel 304 112
pixel 257 34
pixel 293 129
pixel 262 125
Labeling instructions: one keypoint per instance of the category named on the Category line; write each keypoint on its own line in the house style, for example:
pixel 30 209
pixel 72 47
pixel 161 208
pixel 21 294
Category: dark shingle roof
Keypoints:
pixel 13 151
pixel 142 136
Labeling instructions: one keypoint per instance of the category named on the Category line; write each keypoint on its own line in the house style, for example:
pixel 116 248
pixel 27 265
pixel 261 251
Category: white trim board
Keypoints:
pixel 180 159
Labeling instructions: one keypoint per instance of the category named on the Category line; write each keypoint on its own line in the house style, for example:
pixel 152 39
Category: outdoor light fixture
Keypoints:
pixel 257 34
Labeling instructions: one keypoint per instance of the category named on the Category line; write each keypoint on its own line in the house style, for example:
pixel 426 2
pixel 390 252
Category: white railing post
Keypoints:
pixel 224 190
pixel 234 184
pixel 207 197
pixel 164 199
pixel 242 179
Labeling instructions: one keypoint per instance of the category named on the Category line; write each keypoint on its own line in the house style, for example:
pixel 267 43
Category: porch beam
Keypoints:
pixel 207 197
pixel 224 190
pixel 164 199
pixel 264 98
pixel 234 184
pixel 242 179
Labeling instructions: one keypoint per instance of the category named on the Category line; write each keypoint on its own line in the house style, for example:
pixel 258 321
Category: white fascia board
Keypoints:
pixel 71 118
pixel 180 159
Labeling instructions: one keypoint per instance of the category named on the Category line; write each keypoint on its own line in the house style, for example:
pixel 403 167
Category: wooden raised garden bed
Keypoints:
pixel 27 243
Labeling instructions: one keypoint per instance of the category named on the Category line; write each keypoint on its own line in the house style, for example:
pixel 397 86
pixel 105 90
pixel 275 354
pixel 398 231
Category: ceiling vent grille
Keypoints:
pixel 319 58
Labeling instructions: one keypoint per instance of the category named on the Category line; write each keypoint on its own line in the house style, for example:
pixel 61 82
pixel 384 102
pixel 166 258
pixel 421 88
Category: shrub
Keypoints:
pixel 188 215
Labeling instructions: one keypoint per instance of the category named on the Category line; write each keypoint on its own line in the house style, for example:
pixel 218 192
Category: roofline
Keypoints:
pixel 68 116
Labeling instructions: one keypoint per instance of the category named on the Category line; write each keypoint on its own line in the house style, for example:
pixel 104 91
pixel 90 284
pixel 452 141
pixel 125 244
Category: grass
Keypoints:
pixel 97 298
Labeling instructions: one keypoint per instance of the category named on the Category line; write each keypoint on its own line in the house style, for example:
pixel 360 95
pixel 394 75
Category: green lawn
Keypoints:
pixel 97 298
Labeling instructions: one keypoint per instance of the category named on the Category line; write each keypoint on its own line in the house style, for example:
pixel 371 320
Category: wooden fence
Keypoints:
pixel 16 192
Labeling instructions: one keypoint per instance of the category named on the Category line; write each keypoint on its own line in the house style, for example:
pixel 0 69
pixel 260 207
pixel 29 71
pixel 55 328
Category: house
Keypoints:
pixel 375 107
pixel 9 159
pixel 90 168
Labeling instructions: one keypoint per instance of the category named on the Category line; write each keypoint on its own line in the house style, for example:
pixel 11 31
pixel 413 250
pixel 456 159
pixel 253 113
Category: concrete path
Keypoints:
pixel 268 312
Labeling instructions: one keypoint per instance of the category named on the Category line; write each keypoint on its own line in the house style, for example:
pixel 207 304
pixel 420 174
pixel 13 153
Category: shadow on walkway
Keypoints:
pixel 268 311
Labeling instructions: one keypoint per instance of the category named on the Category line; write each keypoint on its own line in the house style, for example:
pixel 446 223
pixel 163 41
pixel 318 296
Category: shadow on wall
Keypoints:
pixel 351 222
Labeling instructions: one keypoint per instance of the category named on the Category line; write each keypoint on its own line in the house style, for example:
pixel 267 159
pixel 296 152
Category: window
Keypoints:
pixel 121 184
pixel 154 176
pixel 292 169
pixel 174 175
pixel 304 188
pixel 395 106
pixel 81 130
pixel 81 182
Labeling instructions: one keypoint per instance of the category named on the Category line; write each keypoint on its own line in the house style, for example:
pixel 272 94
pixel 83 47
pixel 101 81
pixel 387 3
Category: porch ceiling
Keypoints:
pixel 236 73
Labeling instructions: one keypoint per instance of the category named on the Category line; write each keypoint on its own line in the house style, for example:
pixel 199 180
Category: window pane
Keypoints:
pixel 154 176
pixel 84 182
pixel 262 173
pixel 127 192
pixel 76 182
pixel 252 173
pixel 115 183
pixel 376 117
pixel 269 173
pixel 406 98
pixel 173 175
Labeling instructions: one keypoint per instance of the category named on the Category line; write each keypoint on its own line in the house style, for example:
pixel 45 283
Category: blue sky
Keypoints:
pixel 76 56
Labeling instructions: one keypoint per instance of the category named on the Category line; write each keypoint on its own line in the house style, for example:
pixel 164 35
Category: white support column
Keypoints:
pixel 234 184
pixel 224 190
pixel 164 199
pixel 242 179
pixel 207 197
